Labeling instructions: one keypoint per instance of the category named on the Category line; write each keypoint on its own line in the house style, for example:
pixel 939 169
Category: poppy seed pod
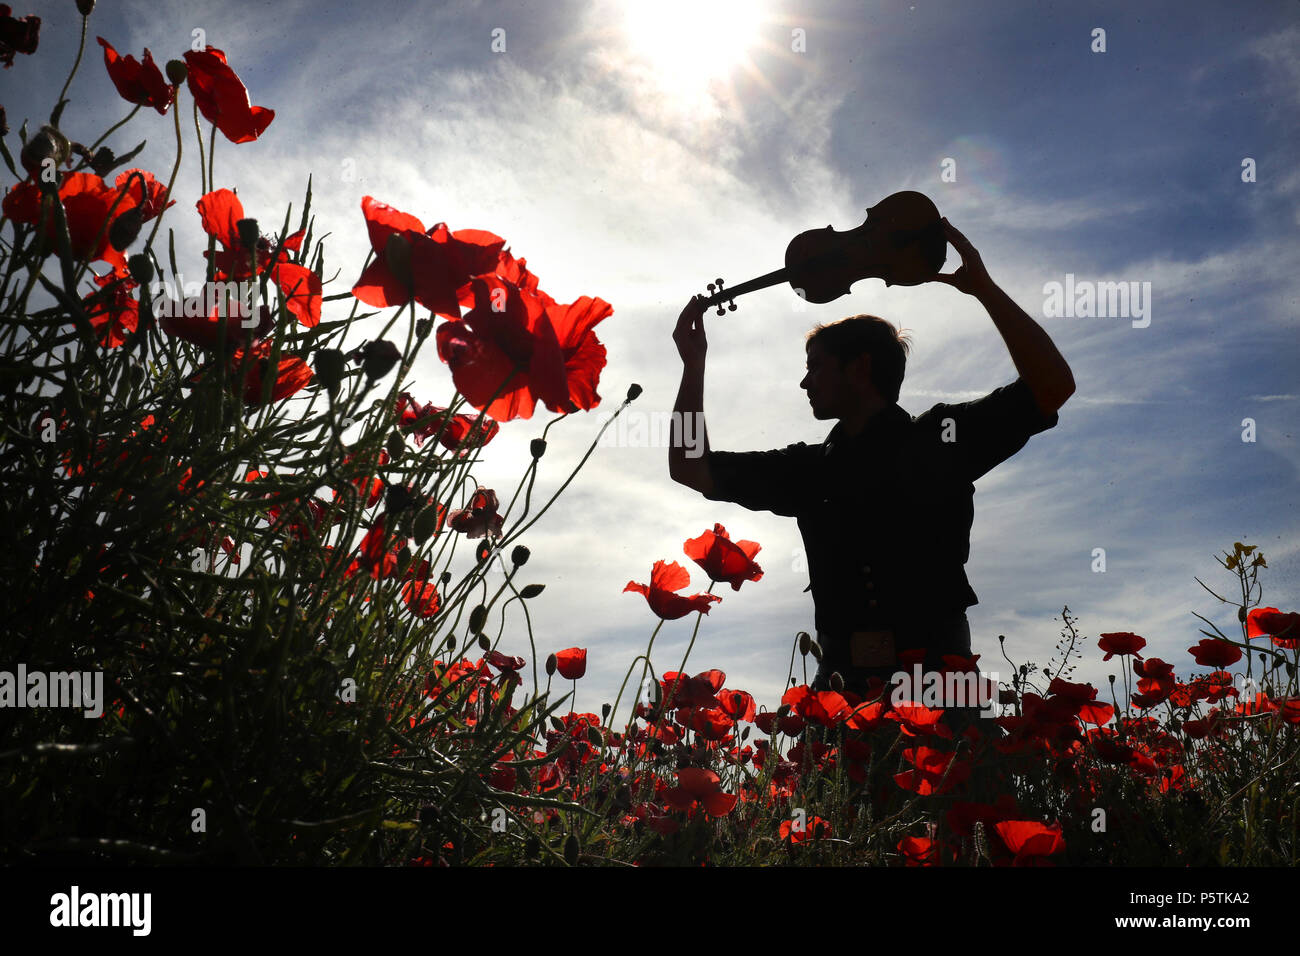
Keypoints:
pixel 633 391
pixel 537 447
pixel 380 357
pixel 248 233
pixel 48 145
pixel 805 643
pixel 85 7
pixel 422 328
pixel 519 556
pixel 176 71
pixel 837 683
pixel 551 665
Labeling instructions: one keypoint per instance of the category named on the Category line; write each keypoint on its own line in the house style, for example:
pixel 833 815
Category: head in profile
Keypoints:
pixel 855 366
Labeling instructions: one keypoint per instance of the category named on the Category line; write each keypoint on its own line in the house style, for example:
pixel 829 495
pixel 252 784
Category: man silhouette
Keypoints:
pixel 885 504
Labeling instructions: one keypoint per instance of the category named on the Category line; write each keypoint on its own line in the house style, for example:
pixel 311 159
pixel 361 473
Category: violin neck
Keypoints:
pixel 753 285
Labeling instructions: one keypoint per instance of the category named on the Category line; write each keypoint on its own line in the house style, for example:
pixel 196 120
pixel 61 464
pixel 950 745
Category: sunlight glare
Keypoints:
pixel 690 42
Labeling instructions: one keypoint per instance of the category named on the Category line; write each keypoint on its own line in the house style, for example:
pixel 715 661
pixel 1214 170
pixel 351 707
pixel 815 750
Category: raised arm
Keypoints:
pixel 1040 364
pixel 691 469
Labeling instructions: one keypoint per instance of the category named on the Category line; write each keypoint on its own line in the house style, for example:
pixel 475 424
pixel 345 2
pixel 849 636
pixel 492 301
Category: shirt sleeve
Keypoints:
pixel 991 429
pixel 775 481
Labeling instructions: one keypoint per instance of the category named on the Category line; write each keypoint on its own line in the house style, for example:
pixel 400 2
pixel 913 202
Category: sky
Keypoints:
pixel 637 151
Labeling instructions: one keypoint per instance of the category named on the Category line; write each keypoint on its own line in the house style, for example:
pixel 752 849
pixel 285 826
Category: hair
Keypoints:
pixel 867 335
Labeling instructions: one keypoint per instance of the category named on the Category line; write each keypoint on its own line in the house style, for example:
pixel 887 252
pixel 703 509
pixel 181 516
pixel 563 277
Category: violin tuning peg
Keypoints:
pixel 721 311
pixel 732 307
pixel 719 281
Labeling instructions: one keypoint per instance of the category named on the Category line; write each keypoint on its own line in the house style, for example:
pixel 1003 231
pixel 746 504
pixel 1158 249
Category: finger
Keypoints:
pixel 955 235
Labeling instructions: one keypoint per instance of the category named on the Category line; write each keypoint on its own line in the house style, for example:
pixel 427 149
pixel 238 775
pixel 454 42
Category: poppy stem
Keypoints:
pixel 81 48
pixel 646 658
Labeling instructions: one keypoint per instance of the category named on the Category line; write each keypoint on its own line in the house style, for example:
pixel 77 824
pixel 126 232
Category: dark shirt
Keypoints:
pixel 886 515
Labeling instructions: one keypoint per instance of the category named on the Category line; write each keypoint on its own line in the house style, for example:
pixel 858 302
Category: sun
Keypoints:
pixel 688 43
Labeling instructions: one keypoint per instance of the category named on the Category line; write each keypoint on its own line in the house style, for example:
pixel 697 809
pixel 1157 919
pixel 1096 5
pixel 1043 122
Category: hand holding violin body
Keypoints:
pixel 971 277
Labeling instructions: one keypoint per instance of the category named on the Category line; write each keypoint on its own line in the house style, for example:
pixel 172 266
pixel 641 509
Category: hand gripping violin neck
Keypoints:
pixel 902 241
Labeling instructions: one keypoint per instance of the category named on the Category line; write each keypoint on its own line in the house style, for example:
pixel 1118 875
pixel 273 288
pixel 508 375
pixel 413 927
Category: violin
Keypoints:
pixel 901 241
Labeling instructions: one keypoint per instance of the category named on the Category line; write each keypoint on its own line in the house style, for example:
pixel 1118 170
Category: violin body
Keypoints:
pixel 902 242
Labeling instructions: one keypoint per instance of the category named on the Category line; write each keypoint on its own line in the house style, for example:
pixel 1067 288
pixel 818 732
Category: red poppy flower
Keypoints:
pixel 1212 652
pixel 291 374
pixel 506 347
pixel 1030 841
pixel 724 560
pixel 457 433
pixel 919 851
pixel 737 704
pixel 1122 643
pixel 421 594
pixel 1284 629
pixel 695 784
pixel 665 579
pixel 222 97
pixel 503 662
pixel 141 82
pixel 480 518
pixel 931 766
pixel 435 266
pixel 824 707
pixel 87 200
pixel 17 35
pixel 113 312
pixel 814 829
pixel 571 663
pixel 583 354
pixel 220 212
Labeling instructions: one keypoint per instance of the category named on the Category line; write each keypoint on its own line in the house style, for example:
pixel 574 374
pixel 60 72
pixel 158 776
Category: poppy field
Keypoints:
pixel 274 550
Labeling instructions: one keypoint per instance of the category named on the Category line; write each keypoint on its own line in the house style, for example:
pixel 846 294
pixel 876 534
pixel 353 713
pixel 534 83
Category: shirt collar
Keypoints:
pixel 887 419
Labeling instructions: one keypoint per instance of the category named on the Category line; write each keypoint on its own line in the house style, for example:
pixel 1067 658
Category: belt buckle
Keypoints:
pixel 872 649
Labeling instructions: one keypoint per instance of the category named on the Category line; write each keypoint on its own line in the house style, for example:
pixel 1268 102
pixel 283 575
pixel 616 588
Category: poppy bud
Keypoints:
pixel 176 71
pixel 1241 614
pixel 446 577
pixel 572 849
pixel 837 683
pixel 805 643
pixel 103 161
pixel 329 368
pixel 633 391
pixel 422 328
pixel 451 638
pixel 815 650
pixel 1112 678
pixel 125 229
pixel 519 556
pixel 483 643
pixel 395 445
pixel 84 7
pixel 141 268
pixel 537 448
pixel 380 357
pixel 604 711
pixel 49 144
pixel 593 737
pixel 397 255
pixel 551 665
pixel 477 618
pixel 248 233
